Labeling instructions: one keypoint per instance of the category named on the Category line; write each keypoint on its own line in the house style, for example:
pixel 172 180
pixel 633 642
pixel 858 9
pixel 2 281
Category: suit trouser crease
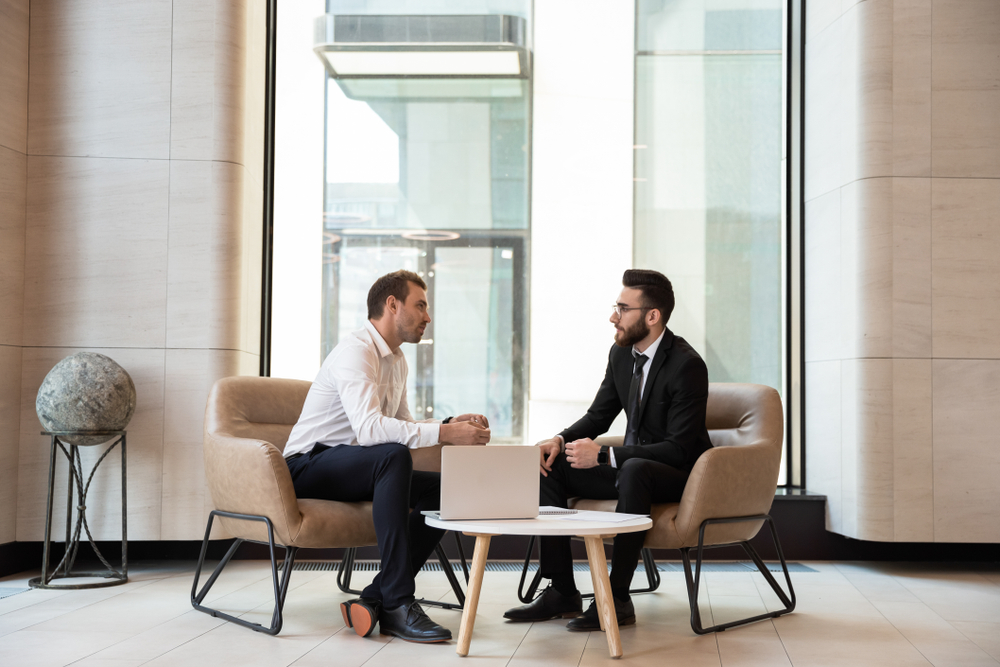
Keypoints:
pixel 384 475
pixel 636 485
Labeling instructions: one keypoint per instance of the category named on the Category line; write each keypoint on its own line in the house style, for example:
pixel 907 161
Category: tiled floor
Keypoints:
pixel 848 614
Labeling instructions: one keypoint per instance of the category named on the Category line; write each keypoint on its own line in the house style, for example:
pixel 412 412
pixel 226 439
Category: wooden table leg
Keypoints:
pixel 597 590
pixel 472 593
pixel 602 592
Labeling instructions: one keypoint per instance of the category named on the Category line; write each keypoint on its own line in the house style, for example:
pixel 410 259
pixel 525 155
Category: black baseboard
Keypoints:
pixel 799 520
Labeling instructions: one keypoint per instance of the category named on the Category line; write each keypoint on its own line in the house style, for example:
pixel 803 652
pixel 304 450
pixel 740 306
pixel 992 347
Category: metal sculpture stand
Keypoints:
pixel 64 569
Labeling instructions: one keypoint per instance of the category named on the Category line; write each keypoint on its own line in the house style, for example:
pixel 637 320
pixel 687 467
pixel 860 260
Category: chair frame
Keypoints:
pixel 280 585
pixel 693 582
pixel 526 597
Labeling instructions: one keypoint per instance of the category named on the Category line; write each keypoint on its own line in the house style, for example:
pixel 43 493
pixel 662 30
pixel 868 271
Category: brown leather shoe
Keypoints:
pixel 361 614
pixel 550 604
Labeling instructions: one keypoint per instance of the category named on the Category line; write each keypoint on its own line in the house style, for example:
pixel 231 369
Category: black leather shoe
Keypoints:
pixel 361 614
pixel 589 622
pixel 550 604
pixel 409 622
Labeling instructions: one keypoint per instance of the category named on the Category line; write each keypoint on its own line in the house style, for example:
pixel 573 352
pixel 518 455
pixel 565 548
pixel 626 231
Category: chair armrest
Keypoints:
pixel 610 440
pixel 728 482
pixel 427 458
pixel 251 477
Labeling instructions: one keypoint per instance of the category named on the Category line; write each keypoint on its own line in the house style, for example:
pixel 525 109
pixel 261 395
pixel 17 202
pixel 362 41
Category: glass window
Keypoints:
pixel 708 176
pixel 429 175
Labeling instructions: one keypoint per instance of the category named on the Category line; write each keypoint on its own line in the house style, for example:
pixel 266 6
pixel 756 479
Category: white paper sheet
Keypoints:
pixel 607 517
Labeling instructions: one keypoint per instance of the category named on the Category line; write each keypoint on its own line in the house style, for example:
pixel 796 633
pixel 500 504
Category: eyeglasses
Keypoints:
pixel 621 310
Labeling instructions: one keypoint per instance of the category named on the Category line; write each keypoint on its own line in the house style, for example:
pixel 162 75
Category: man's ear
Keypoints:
pixel 652 316
pixel 391 304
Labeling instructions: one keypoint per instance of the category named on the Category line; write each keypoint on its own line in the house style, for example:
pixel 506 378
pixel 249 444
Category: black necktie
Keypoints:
pixel 632 430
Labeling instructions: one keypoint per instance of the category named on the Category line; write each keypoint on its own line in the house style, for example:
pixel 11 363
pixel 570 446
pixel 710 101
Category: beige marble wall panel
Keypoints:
pixel 204 281
pixel 255 87
pixel 822 141
pixel 823 435
pixel 966 458
pixel 145 444
pixel 966 85
pixel 253 242
pixel 190 375
pixel 911 88
pixel 866 268
pixel 100 78
pixel 912 462
pixel 207 82
pixel 96 252
pixel 849 444
pixel 13 175
pixel 966 273
pixel 824 312
pixel 192 80
pixel 873 408
pixel 10 416
pixel 14 74
pixel 849 94
pixel 875 92
pixel 911 267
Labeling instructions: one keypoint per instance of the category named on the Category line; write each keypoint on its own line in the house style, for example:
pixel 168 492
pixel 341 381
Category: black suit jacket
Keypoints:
pixel 672 412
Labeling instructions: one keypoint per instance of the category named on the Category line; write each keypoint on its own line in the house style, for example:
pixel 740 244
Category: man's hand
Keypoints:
pixel 548 450
pixel 464 433
pixel 582 453
pixel 472 417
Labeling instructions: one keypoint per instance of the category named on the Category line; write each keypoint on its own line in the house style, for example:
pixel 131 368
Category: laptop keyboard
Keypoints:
pixel 555 512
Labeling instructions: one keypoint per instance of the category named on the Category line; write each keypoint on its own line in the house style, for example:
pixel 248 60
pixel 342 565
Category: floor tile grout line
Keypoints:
pixel 783 646
pixel 887 619
pixel 996 659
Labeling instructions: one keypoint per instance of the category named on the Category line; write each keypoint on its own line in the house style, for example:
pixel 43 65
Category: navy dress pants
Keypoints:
pixel 636 485
pixel 384 475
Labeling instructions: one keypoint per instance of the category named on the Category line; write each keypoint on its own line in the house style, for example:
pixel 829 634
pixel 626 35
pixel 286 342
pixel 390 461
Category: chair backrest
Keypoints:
pixel 744 414
pixel 260 408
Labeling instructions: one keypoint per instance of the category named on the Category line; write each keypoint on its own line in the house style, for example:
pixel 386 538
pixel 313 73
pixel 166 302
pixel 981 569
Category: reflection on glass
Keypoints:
pixel 708 200
pixel 431 176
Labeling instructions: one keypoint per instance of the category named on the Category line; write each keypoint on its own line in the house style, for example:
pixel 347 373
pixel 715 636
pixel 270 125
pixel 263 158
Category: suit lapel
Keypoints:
pixel 656 364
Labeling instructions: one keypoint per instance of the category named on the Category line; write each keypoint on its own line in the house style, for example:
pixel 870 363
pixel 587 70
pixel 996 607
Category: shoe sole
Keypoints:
pixel 359 617
pixel 565 614
pixel 413 639
pixel 621 624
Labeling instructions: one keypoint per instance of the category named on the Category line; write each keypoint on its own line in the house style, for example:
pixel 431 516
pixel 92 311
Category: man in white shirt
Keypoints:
pixel 352 441
pixel 662 384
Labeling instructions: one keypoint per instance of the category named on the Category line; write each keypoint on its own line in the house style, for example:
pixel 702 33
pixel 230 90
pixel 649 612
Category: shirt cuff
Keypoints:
pixel 430 434
pixel 611 457
pixel 562 443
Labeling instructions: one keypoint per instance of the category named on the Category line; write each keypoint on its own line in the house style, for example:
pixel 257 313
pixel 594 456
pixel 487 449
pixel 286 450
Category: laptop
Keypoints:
pixel 491 482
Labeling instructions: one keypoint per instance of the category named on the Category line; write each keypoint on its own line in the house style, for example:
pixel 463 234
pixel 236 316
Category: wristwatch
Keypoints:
pixel 603 458
pixel 447 420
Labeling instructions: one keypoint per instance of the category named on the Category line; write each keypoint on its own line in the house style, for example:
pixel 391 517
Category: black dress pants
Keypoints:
pixel 637 484
pixel 384 475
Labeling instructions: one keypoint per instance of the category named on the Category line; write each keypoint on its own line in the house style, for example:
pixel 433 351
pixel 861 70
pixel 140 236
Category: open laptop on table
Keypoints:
pixel 491 482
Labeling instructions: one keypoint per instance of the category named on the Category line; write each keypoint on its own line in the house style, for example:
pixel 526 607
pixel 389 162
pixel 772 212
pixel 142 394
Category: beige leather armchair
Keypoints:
pixel 728 495
pixel 247 423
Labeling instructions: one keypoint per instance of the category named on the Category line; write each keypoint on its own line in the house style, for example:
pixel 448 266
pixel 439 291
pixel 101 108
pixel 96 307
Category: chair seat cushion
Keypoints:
pixel 663 534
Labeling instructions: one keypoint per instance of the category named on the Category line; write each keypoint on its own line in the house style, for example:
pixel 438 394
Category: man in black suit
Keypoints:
pixel 662 384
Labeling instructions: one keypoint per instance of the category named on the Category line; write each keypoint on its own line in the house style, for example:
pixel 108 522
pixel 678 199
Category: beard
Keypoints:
pixel 632 335
pixel 409 329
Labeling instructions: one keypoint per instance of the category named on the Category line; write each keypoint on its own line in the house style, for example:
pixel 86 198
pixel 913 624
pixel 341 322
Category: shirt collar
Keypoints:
pixel 650 351
pixel 380 344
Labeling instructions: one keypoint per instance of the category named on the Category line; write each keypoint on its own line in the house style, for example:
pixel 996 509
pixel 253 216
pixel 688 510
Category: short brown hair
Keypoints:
pixel 395 284
pixel 657 292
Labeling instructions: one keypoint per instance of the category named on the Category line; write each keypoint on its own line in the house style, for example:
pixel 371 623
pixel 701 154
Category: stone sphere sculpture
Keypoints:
pixel 86 392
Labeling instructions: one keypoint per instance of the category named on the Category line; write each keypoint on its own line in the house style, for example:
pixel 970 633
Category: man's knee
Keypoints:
pixel 395 457
pixel 634 474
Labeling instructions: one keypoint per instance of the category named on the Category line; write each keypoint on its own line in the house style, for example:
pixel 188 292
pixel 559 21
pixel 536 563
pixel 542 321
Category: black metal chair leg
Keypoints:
pixel 461 555
pixel 694 580
pixel 346 571
pixel 452 579
pixel 280 587
pixel 527 596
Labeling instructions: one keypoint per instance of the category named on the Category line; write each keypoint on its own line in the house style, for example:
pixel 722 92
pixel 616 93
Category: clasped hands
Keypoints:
pixel 580 453
pixel 467 429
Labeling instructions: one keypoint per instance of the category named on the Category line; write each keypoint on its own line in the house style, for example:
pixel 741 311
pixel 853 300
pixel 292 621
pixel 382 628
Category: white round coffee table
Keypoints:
pixel 593 534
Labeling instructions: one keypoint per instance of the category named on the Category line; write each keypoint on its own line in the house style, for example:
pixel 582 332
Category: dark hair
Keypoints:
pixel 395 284
pixel 657 292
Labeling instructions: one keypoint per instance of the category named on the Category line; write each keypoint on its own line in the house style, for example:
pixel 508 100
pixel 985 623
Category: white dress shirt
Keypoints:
pixel 649 353
pixel 359 398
